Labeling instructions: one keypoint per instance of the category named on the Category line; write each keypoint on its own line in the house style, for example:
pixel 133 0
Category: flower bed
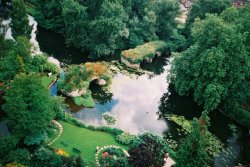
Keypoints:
pixel 111 155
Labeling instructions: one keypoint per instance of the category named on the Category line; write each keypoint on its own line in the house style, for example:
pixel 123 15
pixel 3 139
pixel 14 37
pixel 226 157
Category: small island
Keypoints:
pixel 146 52
pixel 75 81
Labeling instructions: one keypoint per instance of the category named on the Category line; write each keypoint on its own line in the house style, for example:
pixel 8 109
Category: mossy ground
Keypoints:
pixel 86 100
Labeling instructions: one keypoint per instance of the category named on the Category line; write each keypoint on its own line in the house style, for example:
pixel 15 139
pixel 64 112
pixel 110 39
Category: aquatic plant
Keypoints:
pixel 214 145
pixel 125 138
pixel 110 119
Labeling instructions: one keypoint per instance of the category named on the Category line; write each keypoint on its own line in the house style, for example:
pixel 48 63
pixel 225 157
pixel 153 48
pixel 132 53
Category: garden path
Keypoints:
pixel 60 131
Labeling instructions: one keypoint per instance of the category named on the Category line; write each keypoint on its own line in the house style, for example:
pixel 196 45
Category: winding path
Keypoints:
pixel 60 131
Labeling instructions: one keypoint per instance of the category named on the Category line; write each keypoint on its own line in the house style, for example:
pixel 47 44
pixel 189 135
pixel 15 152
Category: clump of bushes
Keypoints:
pixel 114 157
pixel 97 69
pixel 125 138
pixel 39 63
pixel 75 78
pixel 145 51
pixel 110 119
pixel 61 152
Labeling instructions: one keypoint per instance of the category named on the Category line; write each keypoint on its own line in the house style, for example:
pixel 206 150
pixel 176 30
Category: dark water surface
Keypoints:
pixel 139 101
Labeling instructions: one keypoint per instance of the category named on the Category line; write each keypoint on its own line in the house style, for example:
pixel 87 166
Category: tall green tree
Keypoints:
pixel 45 157
pixel 107 29
pixel 200 8
pixel 75 20
pixel 22 48
pixel 15 57
pixel 19 20
pixel 9 67
pixel 142 22
pixel 240 18
pixel 166 11
pixel 7 144
pixel 192 151
pixel 48 14
pixel 148 150
pixel 215 68
pixel 5 7
pixel 29 107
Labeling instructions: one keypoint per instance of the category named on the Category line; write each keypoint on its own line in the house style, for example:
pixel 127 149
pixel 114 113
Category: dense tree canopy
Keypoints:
pixel 48 14
pixel 166 10
pixel 5 7
pixel 28 106
pixel 107 29
pixel 215 68
pixel 19 20
pixel 13 56
pixel 102 27
pixel 74 16
pixel 200 8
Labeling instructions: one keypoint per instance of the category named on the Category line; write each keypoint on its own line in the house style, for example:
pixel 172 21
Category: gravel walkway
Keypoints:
pixel 60 131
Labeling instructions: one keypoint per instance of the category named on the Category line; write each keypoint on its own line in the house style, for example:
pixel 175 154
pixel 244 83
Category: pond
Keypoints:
pixel 139 101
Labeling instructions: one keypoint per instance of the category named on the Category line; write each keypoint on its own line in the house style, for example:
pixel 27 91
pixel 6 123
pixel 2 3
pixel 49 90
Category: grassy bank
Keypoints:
pixel 145 51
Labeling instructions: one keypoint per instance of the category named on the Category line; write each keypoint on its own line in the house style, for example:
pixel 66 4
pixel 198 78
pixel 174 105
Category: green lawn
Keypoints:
pixel 84 140
pixel 46 80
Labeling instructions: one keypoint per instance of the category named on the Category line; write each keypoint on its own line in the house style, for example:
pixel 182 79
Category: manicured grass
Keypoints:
pixel 84 140
pixel 47 81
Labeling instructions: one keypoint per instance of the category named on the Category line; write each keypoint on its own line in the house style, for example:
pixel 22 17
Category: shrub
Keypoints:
pixel 115 158
pixel 19 155
pixel 125 138
pixel 36 138
pixel 109 118
pixel 7 144
pixel 45 157
pixel 40 63
pixel 148 150
pixel 75 78
pixel 78 77
pixel 61 152
pixel 115 151
pixel 13 164
pixel 96 69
